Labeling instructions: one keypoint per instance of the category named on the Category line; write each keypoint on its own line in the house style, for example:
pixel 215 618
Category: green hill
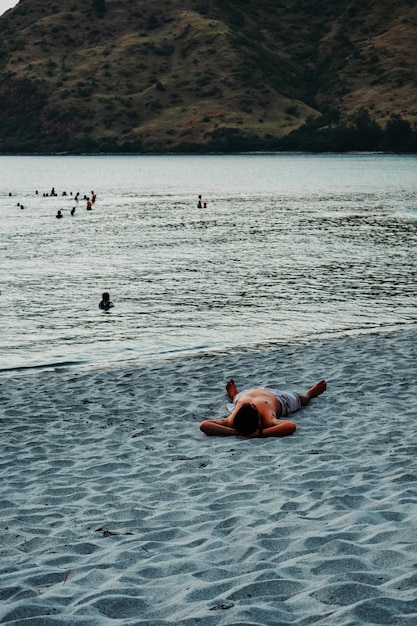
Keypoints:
pixel 135 75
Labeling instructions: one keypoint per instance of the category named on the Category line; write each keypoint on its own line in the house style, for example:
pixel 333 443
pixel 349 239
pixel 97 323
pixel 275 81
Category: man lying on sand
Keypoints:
pixel 256 411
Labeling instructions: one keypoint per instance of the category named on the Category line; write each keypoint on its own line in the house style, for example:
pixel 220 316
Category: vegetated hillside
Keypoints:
pixel 136 75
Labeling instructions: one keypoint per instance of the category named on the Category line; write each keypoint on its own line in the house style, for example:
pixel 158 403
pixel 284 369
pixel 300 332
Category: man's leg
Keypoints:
pixel 313 392
pixel 231 389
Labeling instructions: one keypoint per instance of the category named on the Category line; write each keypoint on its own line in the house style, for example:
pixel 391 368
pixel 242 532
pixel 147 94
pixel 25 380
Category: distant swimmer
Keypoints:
pixel 59 214
pixel 73 210
pixel 89 205
pixel 199 204
pixel 105 302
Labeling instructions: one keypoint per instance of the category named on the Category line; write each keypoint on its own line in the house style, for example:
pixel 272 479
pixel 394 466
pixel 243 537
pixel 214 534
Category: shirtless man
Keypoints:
pixel 256 412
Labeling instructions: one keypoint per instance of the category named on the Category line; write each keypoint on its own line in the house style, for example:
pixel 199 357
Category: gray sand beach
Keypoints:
pixel 116 509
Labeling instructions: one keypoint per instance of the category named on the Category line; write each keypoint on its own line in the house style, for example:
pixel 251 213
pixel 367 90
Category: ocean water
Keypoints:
pixel 291 248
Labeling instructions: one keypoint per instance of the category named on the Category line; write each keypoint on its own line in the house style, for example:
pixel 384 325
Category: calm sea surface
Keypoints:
pixel 289 248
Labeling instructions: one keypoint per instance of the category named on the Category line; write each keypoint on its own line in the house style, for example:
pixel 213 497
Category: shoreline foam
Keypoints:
pixel 77 366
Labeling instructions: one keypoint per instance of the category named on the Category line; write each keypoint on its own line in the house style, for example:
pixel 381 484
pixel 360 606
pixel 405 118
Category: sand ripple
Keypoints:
pixel 109 518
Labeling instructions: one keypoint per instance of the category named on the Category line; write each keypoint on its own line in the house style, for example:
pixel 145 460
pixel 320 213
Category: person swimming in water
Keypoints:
pixel 105 302
pixel 259 412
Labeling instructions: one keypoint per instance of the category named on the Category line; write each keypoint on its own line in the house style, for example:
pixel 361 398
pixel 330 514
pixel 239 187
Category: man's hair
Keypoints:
pixel 246 420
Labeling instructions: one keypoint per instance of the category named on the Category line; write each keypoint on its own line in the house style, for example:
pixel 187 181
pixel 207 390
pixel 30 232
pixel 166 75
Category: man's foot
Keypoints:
pixel 316 390
pixel 231 389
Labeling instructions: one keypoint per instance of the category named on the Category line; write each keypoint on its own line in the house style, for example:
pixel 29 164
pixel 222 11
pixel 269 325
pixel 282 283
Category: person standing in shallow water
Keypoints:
pixel 105 303
pixel 258 412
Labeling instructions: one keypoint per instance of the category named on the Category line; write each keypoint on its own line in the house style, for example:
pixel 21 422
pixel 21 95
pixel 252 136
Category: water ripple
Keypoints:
pixel 289 248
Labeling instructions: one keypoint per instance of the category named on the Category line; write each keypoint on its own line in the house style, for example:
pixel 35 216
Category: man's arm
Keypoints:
pixel 217 427
pixel 280 429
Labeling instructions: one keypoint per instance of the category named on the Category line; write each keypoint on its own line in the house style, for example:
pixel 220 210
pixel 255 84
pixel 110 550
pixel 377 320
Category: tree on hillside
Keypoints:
pixel 368 134
pixel 397 133
pixel 100 7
